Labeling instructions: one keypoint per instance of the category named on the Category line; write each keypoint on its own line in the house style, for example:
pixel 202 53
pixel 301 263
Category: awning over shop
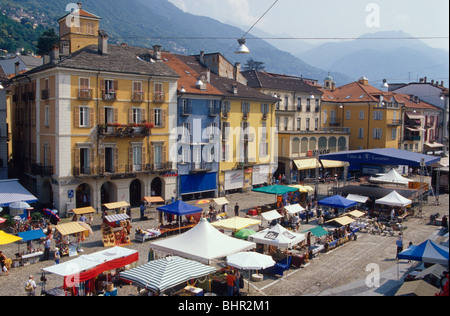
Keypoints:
pixel 235 223
pixel 416 129
pixel 153 199
pixel 382 156
pixel 415 116
pixel 306 164
pixel 12 191
pixel 112 206
pixel 180 208
pixel 334 164
pixel 271 215
pixel 417 288
pixel 434 145
pixel 221 201
pixel 32 235
pixel 276 189
pixel 357 198
pixel 70 228
pixel 343 220
pixel 277 236
pixel 294 209
pixel 84 210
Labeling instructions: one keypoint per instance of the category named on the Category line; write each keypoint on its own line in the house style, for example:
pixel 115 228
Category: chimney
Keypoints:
pixel 157 52
pixel 54 54
pixel 425 80
pixel 237 71
pixel 102 42
pixel 333 86
pixel 202 57
pixel 234 89
pixel 17 68
pixel 421 80
pixel 201 83
pixel 442 83
pixel 65 48
pixel 207 75
pixel 80 5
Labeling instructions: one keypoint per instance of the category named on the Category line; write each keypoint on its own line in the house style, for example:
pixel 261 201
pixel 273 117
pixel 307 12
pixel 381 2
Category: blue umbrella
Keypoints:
pixel 338 202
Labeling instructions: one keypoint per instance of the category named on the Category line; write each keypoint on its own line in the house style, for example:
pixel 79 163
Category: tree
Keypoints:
pixel 254 65
pixel 46 41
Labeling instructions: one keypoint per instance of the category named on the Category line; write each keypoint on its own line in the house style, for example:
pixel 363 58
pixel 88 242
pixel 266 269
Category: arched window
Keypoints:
pixel 304 145
pixel 332 143
pixel 312 143
pixel 323 144
pixel 296 146
pixel 342 144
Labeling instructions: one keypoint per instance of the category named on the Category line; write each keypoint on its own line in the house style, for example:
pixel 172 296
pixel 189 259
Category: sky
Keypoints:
pixel 308 19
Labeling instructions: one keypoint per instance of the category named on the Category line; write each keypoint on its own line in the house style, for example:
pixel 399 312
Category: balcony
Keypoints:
pixel 121 130
pixel 213 111
pixel 137 96
pixel 85 94
pixel 159 97
pixel 41 170
pixel 45 94
pixel 110 95
pixel 201 167
pixel 186 110
pixel 395 123
pixel 415 138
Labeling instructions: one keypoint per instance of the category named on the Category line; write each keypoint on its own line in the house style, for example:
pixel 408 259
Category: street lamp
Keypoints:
pixel 242 49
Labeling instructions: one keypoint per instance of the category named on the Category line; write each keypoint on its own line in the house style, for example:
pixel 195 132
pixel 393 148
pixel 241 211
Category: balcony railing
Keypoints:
pixel 201 167
pixel 395 123
pixel 85 94
pixel 110 95
pixel 41 170
pixel 137 96
pixel 45 94
pixel 121 130
pixel 121 169
pixel 159 97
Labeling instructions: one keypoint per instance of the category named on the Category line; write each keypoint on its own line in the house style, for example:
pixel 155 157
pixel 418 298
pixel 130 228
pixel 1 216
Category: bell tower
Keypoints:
pixel 78 29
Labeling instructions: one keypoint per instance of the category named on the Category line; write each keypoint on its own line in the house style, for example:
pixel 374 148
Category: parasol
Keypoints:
pixel 203 202
pixel 20 205
pixel 51 213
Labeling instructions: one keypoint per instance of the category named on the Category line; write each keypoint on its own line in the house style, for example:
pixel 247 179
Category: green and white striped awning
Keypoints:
pixel 163 274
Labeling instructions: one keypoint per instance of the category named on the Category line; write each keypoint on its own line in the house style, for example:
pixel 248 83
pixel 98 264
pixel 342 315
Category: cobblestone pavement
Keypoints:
pixel 341 271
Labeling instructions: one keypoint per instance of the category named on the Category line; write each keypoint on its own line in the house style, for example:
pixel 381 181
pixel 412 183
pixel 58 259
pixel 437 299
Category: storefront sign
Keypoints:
pixel 234 179
pixel 260 174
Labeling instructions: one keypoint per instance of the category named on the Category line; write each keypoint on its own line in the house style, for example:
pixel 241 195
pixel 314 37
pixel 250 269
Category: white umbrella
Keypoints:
pixel 19 205
pixel 250 261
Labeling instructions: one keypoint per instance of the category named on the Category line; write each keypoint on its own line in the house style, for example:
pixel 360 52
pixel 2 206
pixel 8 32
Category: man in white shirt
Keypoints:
pixel 30 286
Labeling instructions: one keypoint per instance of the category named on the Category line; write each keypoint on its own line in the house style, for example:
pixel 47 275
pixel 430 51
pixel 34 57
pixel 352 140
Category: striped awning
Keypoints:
pixel 117 217
pixel 235 223
pixel 84 210
pixel 12 191
pixel 112 206
pixel 70 228
pixel 163 274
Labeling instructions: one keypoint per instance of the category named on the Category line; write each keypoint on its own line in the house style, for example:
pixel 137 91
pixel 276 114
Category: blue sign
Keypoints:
pixel 70 194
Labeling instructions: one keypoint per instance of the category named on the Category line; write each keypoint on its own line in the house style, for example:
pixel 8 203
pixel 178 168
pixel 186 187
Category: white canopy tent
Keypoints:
pixel 394 199
pixel 277 236
pixel 392 177
pixel 294 209
pixel 202 243
pixel 271 215
pixel 357 198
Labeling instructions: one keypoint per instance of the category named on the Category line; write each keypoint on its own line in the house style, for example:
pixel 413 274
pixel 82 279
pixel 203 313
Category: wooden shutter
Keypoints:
pixel 163 118
pixel 144 160
pixel 130 158
pixel 152 156
pixel 101 115
pixel 76 160
pixel 130 116
pixel 76 116
pixel 152 116
pixel 116 115
pixel 92 160
pixel 116 160
pixel 163 154
pixel 91 117
pixel 116 85
pixel 102 160
pixel 143 115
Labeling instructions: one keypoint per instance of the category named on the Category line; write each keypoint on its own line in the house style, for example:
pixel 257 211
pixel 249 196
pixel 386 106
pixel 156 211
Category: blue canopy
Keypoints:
pixel 428 252
pixel 32 235
pixel 180 208
pixel 337 201
pixel 382 156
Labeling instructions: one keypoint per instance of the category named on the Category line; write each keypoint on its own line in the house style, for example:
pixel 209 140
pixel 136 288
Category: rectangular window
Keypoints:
pixel 286 122
pixel 332 117
pixel 90 28
pixel 84 116
pixel 361 115
pixel 159 92
pixel 394 134
pixel 307 124
pixel 137 158
pixel 348 115
pixel 47 116
pixel 158 117
pixel 361 133
pixel 158 158
pixel 377 133
pixel 299 124
pixel 299 104
pixel 378 115
pixel 136 115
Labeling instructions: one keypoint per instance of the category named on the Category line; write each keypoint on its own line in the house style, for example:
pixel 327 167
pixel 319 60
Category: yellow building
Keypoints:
pixel 248 140
pixel 373 117
pixel 93 127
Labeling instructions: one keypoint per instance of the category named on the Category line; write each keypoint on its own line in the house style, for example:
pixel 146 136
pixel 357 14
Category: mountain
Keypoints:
pixel 148 22
pixel 398 60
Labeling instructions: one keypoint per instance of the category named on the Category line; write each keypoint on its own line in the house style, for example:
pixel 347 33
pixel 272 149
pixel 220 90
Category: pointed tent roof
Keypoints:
pixel 428 251
pixel 276 189
pixel 391 177
pixel 338 202
pixel 277 236
pixel 180 208
pixel 394 199
pixel 202 243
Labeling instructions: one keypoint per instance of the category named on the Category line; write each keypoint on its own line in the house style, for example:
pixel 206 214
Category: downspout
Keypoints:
pixel 368 125
pixel 148 138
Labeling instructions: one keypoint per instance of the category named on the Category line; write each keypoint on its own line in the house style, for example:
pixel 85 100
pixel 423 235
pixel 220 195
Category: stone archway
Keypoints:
pixel 47 194
pixel 135 193
pixel 83 196
pixel 108 193
pixel 156 187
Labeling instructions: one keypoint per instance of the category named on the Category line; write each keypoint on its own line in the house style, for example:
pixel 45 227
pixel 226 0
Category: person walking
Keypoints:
pixel 399 243
pixel 30 286
pixel 236 210
pixel 237 282
pixel 57 256
pixel 230 283
pixel 4 269
pixel 47 244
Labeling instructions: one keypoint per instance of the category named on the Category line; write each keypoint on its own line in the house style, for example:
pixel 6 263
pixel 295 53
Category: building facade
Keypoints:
pixel 93 127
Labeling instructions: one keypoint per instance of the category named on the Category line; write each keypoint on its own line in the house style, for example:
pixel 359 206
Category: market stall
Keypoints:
pixel 92 274
pixel 30 255
pixel 62 237
pixel 88 210
pixel 116 230
pixel 428 252
pixel 284 194
pixel 174 213
pixel 391 177
pixel 117 207
pixel 396 202
pixel 167 273
pixel 203 243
